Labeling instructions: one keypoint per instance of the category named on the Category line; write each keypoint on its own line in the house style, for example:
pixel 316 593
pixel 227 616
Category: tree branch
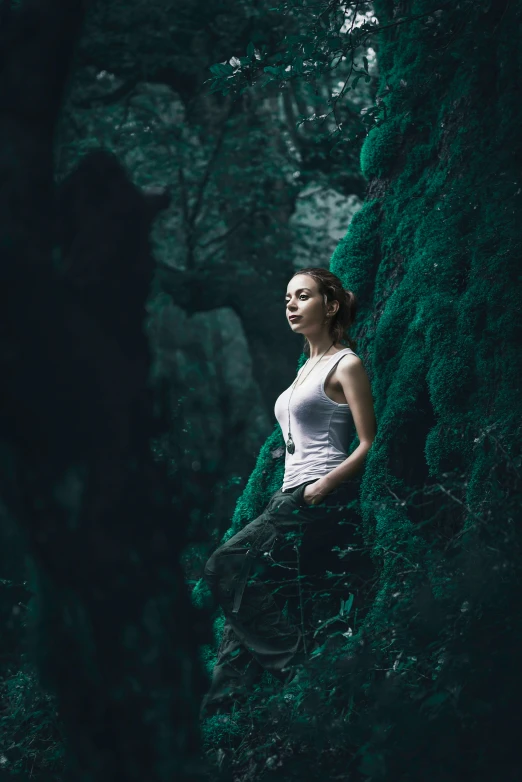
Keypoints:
pixel 194 213
pixel 231 230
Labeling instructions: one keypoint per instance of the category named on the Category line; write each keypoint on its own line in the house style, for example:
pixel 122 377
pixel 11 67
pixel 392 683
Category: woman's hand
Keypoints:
pixel 314 493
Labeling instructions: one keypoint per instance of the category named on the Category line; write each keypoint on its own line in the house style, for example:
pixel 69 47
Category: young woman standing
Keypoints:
pixel 329 397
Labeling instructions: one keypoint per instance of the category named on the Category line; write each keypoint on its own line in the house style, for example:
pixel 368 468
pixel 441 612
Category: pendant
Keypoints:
pixel 290 447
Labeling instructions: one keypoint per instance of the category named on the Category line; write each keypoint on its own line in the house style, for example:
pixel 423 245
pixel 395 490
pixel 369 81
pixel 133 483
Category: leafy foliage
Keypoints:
pixel 320 38
pixel 31 734
pixel 322 52
pixel 238 169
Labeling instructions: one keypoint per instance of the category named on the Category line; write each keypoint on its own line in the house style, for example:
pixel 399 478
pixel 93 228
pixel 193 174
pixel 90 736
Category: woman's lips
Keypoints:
pixel 294 317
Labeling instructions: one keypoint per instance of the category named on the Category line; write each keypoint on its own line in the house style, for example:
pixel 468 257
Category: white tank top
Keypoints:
pixel 322 429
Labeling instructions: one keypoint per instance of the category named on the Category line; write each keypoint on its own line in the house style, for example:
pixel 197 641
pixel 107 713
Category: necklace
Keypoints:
pixel 290 445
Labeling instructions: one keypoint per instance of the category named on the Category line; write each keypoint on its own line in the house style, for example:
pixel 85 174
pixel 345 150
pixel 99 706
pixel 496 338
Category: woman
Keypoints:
pixel 330 395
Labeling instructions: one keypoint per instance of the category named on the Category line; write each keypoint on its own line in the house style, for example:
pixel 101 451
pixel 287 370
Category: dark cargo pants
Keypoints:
pixel 257 635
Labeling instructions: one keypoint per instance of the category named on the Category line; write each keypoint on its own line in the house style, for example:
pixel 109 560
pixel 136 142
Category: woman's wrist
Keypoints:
pixel 324 487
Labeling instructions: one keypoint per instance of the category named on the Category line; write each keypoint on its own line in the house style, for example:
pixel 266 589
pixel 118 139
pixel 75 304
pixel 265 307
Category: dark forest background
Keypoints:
pixel 164 169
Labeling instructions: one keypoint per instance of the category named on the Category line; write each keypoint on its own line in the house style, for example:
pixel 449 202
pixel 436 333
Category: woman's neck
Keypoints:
pixel 325 346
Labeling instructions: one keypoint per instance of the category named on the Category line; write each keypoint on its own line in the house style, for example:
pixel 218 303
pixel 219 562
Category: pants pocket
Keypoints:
pixel 298 494
pixel 329 499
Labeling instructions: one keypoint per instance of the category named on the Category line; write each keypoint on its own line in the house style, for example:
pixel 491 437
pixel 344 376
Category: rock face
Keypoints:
pixel 219 417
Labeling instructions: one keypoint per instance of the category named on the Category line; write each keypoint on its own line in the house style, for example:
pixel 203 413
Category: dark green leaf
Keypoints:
pixel 346 605
pixel 221 69
pixel 335 42
pixel 435 700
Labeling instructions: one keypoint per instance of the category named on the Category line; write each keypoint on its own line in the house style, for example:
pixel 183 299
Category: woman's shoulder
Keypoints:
pixel 348 353
pixel 349 359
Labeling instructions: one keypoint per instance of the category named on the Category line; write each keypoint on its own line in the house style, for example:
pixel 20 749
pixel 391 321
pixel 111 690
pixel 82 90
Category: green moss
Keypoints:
pixel 355 260
pixel 266 478
pixel 208 653
pixel 201 595
pixel 380 148
pixel 31 733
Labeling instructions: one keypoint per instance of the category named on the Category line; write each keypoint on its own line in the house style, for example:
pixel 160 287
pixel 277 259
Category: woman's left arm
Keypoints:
pixel 357 390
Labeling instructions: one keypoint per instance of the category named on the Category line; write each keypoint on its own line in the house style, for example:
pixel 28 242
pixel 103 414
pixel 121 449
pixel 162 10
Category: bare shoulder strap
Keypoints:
pixel 330 364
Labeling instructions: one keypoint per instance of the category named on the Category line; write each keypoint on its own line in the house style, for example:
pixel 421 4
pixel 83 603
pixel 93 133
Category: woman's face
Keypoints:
pixel 304 301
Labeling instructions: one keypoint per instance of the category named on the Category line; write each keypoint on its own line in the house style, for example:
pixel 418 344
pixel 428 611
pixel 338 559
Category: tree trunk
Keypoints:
pixel 115 632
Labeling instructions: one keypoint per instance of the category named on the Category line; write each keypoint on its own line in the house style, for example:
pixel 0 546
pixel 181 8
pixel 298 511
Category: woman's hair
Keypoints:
pixel 331 288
